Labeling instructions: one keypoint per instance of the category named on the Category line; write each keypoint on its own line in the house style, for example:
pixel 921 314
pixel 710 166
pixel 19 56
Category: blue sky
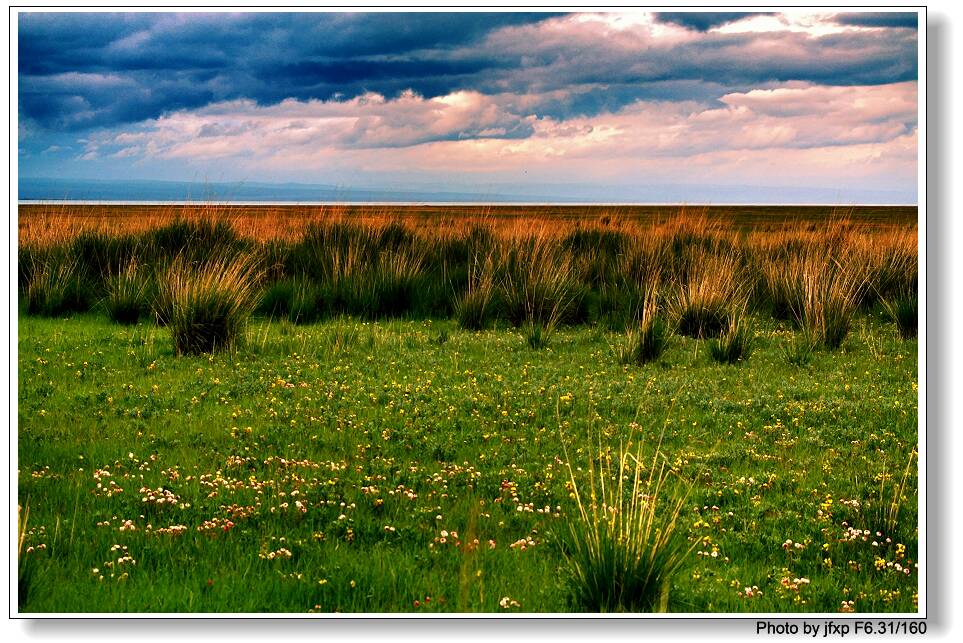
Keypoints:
pixel 618 104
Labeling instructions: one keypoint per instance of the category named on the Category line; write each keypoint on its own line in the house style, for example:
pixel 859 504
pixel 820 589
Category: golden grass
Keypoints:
pixel 52 224
pixel 207 304
pixel 540 266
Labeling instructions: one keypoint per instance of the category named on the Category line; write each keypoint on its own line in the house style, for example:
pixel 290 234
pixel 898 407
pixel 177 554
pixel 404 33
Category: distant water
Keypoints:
pixel 456 203
pixel 326 203
pixel 140 192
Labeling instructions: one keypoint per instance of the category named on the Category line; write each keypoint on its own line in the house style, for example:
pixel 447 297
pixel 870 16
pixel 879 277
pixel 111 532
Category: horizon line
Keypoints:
pixel 454 203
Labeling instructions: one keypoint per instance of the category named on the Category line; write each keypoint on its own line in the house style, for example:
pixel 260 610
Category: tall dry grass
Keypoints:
pixel 526 270
pixel 474 307
pixel 128 294
pixel 539 282
pixel 647 341
pixel 712 282
pixel 206 304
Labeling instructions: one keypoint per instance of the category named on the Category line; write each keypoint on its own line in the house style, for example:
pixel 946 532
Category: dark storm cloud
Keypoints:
pixel 893 20
pixel 82 71
pixel 601 75
pixel 178 61
pixel 703 21
pixel 836 59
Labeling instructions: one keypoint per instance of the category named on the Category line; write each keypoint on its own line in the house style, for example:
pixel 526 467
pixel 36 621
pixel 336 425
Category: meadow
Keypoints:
pixel 384 411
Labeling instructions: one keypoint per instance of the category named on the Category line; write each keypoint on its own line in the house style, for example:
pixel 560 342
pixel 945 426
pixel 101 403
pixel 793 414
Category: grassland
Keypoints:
pixel 357 457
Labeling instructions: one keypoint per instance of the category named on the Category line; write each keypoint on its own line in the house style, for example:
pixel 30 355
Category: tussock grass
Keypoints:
pixel 819 287
pixel 891 263
pixel 104 255
pixel 209 302
pixel 128 294
pixel 735 343
pixel 626 540
pixel 798 349
pixel 523 271
pixel 702 303
pixel 394 284
pixel 55 284
pixel 828 298
pixel 539 285
pixel 276 301
pixel 891 499
pixel 197 239
pixel 646 342
pixel 904 311
pixel 474 308
pixel 306 303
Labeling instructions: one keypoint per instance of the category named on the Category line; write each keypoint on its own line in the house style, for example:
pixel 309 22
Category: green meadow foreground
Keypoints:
pixel 417 466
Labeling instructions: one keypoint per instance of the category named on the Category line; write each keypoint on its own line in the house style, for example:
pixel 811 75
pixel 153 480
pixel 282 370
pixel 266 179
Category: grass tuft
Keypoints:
pixel 209 302
pixel 646 343
pixel 474 307
pixel 625 542
pixel 703 296
pixel 540 286
pixel 735 344
pixel 903 310
pixel 536 335
pixel 830 293
pixel 56 285
pixel 128 295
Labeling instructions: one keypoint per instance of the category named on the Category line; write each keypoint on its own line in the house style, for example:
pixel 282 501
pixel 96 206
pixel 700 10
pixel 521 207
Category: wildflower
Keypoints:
pixel 508 602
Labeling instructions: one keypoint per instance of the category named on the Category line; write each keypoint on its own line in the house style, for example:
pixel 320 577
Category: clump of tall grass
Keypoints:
pixel 474 307
pixel 625 542
pixel 394 283
pixel 702 300
pixel 128 294
pixel 891 264
pixel 342 260
pixel 818 279
pixel 306 304
pixel 208 302
pixel 903 310
pixel 103 254
pixel 55 284
pixel 735 343
pixel 648 341
pixel 597 252
pixel 536 335
pixel 194 238
pixel 828 298
pixel 276 300
pixel 780 275
pixel 539 284
pixel 891 502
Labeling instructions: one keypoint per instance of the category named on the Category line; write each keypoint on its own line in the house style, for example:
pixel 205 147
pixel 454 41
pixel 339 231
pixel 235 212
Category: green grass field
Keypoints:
pixel 414 466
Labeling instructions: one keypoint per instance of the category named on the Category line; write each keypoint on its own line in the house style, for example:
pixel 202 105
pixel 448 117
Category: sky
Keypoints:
pixel 628 106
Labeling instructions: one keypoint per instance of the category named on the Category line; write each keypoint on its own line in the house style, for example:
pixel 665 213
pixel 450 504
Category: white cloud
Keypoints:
pixel 797 130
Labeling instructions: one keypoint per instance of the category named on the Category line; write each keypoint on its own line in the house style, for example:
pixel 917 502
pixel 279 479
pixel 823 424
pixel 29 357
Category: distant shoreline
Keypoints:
pixel 498 204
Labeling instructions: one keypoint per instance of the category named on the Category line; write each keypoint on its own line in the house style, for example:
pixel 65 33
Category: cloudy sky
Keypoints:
pixel 617 106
